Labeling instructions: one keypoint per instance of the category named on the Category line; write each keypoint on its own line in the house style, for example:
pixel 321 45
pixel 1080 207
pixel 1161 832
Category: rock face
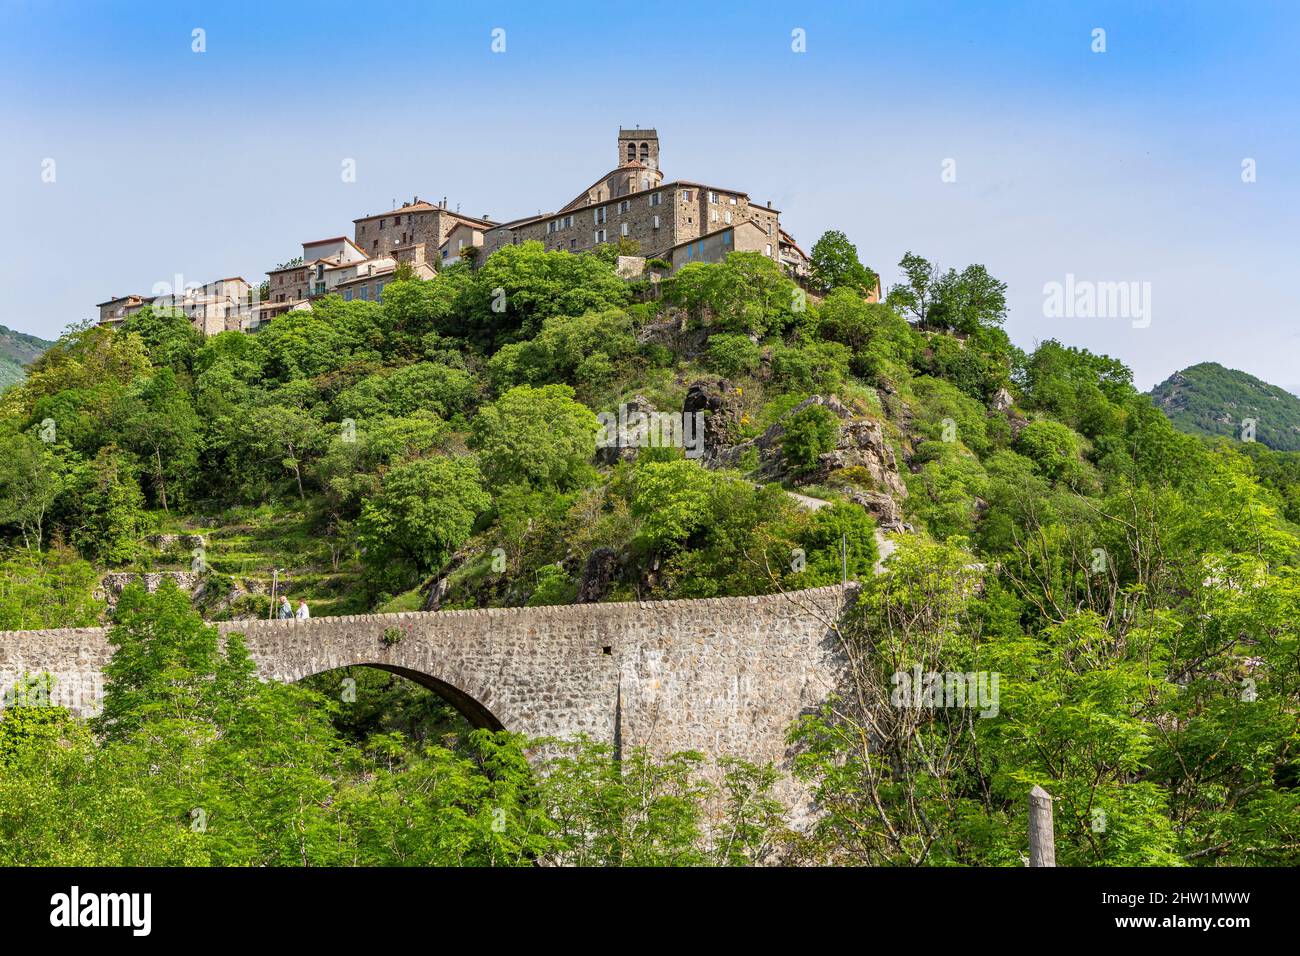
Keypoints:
pixel 598 574
pixel 889 517
pixel 113 583
pixel 722 409
pixel 614 453
pixel 164 541
pixel 1001 400
pixel 861 444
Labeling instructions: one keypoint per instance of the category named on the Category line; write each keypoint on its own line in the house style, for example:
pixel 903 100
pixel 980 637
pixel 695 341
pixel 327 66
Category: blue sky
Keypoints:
pixel 1122 166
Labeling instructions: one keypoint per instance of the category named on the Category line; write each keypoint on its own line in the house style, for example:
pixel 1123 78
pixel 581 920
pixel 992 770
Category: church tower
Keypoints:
pixel 638 145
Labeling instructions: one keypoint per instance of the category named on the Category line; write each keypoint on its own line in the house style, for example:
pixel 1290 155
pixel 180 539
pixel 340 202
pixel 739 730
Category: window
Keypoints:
pixel 713 215
pixel 381 224
pixel 444 253
pixel 573 243
pixel 769 249
pixel 625 229
pixel 347 295
pixel 362 292
pixel 631 152
pixel 598 215
pixel 712 196
pixel 645 152
pixel 567 222
pixel 769 228
pixel 732 200
pixel 686 195
pixel 656 199
pixel 599 235
pixel 624 206
pixel 727 217
pixel 363 230
pixel 375 245
pixel 656 221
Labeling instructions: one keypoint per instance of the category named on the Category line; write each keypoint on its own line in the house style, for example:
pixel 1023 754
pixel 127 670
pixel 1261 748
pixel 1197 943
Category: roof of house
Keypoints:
pixel 362 280
pixel 322 242
pixel 120 298
pixel 528 220
pixel 577 201
pixel 715 232
pixel 787 239
pixel 423 206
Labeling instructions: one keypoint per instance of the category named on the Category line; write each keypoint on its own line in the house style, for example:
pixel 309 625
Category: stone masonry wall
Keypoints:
pixel 724 676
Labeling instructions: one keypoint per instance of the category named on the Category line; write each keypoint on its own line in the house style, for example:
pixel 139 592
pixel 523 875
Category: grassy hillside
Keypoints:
pixel 1037 519
pixel 1208 399
pixel 16 350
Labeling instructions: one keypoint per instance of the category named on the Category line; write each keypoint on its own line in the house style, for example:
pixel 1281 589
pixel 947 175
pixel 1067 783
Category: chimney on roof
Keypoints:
pixel 769 204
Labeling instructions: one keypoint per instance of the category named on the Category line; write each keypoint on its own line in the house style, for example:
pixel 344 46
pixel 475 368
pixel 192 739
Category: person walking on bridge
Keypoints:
pixel 303 614
pixel 285 611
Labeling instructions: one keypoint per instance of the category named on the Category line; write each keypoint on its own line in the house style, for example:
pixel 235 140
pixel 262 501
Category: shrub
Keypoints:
pixel 809 433
pixel 732 354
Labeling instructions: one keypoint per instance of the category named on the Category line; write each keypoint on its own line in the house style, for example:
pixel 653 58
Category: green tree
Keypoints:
pixel 809 433
pixel 537 436
pixel 835 265
pixel 426 509
pixel 31 479
pixel 519 287
pixel 157 421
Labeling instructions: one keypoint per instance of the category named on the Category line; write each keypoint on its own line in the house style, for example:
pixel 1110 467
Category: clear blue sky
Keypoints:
pixel 1115 166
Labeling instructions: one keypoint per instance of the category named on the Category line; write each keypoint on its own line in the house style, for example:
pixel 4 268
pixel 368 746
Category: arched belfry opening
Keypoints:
pixel 638 144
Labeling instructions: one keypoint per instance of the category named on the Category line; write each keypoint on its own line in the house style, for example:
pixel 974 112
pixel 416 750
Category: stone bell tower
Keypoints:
pixel 639 145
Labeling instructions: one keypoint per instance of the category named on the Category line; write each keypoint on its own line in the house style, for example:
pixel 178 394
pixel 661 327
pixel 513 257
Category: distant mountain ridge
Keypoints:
pixel 1208 399
pixel 18 349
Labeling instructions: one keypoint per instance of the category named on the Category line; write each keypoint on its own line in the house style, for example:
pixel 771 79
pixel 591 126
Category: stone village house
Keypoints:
pixel 678 221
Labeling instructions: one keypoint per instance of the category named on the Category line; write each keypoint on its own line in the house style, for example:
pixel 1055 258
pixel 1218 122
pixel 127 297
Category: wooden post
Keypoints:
pixel 1042 842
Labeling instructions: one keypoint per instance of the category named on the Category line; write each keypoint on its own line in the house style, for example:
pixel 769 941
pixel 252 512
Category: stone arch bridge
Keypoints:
pixel 724 676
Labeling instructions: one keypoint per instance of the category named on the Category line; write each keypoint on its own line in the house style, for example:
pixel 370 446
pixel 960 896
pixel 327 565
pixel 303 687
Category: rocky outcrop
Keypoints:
pixel 861 444
pixel 637 410
pixel 114 583
pixel 165 541
pixel 722 408
pixel 598 574
pixel 882 507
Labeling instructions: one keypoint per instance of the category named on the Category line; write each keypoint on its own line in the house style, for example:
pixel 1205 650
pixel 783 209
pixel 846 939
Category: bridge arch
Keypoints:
pixel 722 676
pixel 471 708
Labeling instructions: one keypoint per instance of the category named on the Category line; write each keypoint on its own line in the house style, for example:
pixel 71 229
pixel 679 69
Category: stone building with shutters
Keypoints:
pixel 632 201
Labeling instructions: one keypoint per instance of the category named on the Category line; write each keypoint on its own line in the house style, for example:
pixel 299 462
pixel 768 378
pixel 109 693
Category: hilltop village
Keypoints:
pixel 675 222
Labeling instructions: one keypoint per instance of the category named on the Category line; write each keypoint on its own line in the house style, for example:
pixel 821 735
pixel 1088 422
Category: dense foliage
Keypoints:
pixel 1134 591
pixel 1208 399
